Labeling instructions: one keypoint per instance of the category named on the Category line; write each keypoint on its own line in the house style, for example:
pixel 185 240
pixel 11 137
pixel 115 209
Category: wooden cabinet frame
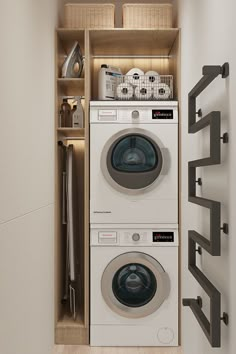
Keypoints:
pixel 151 49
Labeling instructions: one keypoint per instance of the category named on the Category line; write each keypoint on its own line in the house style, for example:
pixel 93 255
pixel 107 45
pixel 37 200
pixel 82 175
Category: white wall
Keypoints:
pixel 27 168
pixel 207 38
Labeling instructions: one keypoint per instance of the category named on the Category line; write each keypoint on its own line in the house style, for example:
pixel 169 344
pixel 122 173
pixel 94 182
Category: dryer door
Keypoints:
pixel 132 160
pixel 134 285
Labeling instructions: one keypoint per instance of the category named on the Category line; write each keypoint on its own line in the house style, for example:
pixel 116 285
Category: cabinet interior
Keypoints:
pixel 145 49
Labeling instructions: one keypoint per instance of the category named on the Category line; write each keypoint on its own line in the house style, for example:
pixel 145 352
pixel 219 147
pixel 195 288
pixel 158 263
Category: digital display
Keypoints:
pixel 162 114
pixel 162 236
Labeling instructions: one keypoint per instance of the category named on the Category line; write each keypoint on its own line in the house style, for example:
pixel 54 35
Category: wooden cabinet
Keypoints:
pixel 67 329
pixel 148 49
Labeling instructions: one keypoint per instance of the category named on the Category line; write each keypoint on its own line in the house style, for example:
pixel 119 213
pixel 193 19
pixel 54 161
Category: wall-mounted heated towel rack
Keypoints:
pixel 212 328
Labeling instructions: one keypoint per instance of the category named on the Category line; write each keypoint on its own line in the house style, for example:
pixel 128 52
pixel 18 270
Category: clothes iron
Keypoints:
pixel 73 65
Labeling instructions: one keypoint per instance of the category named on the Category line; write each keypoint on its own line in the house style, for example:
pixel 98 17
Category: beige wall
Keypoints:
pixel 207 27
pixel 27 181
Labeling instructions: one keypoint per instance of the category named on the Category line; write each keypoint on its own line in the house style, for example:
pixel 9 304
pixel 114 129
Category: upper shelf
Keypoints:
pixel 132 42
pixel 122 41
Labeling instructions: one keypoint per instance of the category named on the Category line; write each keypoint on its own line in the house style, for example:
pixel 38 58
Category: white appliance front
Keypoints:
pixel 133 162
pixel 134 285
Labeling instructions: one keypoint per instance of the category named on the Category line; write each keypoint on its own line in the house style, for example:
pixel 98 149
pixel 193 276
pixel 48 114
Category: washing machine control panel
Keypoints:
pixel 134 237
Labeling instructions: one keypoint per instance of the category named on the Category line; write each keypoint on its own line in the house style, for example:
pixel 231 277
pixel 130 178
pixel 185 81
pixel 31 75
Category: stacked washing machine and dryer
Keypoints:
pixel 134 223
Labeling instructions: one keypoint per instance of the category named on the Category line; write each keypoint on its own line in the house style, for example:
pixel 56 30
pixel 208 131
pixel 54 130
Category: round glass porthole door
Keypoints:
pixel 134 285
pixel 133 160
pixel 134 153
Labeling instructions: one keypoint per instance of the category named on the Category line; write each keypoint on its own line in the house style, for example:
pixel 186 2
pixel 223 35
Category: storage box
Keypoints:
pixel 89 16
pixel 147 15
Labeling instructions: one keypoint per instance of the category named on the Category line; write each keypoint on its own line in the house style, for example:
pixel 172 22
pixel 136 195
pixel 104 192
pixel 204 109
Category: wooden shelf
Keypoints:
pixel 71 132
pixel 70 87
pixel 132 42
pixel 68 34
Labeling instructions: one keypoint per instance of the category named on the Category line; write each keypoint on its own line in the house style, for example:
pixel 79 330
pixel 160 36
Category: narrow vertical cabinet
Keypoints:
pixel 69 330
pixel 147 49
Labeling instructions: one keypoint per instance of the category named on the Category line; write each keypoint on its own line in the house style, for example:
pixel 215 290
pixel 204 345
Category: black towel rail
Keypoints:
pixel 196 241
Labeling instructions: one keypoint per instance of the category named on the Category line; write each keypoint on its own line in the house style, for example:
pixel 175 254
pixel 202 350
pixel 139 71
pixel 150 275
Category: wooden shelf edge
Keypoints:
pixel 71 335
pixel 69 324
pixel 71 132
pixel 62 79
pixel 63 29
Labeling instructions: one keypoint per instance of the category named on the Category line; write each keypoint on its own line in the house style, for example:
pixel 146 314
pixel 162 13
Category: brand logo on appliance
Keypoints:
pixel 163 236
pixel 162 114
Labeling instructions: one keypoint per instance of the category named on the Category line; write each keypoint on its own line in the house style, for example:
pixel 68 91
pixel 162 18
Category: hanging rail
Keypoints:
pixel 212 328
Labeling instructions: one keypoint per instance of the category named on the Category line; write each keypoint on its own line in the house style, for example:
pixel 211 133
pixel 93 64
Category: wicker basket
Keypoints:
pixel 89 16
pixel 147 16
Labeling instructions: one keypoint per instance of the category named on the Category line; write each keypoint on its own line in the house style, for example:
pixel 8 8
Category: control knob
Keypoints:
pixel 135 114
pixel 136 237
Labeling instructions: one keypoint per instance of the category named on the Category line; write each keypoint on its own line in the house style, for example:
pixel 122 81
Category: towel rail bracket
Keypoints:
pixel 216 70
pixel 225 70
pixel 199 113
pixel 199 181
pixel 225 138
pixel 225 318
pixel 225 228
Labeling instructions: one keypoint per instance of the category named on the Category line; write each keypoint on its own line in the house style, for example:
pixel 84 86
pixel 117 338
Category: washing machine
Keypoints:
pixel 134 285
pixel 133 162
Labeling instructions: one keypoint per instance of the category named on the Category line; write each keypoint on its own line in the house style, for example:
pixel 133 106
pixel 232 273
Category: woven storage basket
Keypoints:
pixel 147 15
pixel 89 16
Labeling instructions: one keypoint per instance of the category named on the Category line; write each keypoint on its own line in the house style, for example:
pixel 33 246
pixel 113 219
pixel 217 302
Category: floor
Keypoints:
pixel 74 349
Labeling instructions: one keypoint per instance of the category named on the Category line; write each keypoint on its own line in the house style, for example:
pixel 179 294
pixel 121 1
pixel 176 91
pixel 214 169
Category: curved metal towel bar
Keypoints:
pixel 212 328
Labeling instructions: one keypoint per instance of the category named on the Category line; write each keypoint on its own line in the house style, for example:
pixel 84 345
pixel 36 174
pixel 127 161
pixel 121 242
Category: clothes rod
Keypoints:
pixel 134 56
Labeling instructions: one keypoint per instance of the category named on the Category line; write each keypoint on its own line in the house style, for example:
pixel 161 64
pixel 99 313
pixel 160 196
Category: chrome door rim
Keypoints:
pixel 161 276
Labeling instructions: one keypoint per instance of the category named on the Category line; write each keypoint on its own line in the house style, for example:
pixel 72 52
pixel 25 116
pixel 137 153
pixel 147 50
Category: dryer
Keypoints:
pixel 134 162
pixel 134 285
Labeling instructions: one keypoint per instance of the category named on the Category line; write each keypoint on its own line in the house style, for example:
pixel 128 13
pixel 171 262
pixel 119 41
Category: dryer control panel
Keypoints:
pixel 155 237
pixel 134 112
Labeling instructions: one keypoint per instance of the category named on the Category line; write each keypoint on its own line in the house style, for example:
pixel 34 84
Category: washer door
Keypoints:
pixel 132 159
pixel 134 285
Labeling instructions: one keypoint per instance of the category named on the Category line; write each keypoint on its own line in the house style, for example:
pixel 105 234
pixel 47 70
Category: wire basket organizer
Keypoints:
pixel 144 88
